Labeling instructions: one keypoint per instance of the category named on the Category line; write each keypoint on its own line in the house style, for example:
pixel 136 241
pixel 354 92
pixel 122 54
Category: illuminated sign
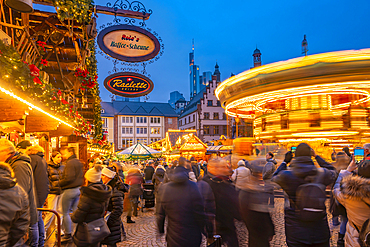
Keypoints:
pixel 128 84
pixel 128 43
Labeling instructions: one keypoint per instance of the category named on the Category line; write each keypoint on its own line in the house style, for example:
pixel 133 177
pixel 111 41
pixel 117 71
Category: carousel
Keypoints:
pixel 322 99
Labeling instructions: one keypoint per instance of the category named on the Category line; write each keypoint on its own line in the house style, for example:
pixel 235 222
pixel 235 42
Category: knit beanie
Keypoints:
pixel 241 163
pixel 108 171
pixel 93 175
pixel 303 149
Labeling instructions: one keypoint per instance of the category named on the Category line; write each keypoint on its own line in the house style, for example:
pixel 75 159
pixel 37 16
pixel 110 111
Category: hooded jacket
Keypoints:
pixel 352 192
pixel 302 170
pixel 181 201
pixel 158 177
pixel 72 174
pixel 14 210
pixel 20 164
pixel 92 206
pixel 54 173
pixel 40 175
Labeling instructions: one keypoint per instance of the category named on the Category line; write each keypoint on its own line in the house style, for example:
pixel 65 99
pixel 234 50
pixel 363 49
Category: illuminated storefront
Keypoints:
pixel 322 98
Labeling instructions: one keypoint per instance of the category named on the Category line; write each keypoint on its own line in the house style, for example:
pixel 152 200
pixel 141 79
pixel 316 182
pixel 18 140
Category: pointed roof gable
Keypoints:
pixel 156 111
pixel 126 110
pixel 141 110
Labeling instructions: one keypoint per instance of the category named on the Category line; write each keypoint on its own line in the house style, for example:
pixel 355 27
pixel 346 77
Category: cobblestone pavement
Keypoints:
pixel 143 232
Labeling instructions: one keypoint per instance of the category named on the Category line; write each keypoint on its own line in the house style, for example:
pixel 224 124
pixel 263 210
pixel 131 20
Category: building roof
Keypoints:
pixel 182 100
pixel 192 106
pixel 257 51
pixel 137 108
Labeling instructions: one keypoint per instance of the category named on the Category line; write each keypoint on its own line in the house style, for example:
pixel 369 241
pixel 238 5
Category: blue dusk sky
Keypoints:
pixel 228 32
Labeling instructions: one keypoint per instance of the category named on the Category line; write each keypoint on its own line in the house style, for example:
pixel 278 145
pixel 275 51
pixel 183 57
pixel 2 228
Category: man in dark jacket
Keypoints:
pixel 71 181
pixel 181 201
pixel 302 170
pixel 14 208
pixel 22 172
pixel 226 199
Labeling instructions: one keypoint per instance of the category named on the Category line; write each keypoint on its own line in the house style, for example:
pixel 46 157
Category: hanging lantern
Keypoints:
pixel 23 6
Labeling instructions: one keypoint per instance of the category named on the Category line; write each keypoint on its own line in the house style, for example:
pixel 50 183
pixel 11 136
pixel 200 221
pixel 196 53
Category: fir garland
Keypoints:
pixel 26 78
pixel 91 64
pixel 76 10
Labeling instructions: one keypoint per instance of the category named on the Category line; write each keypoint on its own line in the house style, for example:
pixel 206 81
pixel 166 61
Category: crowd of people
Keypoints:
pixel 197 199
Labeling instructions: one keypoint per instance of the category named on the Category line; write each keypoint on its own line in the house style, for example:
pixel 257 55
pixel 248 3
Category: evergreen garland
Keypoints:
pixel 76 10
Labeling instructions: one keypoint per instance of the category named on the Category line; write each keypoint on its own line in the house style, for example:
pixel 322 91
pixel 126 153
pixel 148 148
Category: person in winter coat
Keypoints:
pixel 353 192
pixel 255 206
pixel 302 170
pixel 336 209
pixel 149 172
pixel 70 182
pixel 269 168
pixel 226 199
pixel 115 207
pixel 23 174
pixel 92 205
pixel 241 176
pixel 158 178
pixel 182 204
pixel 135 180
pixel 55 170
pixel 40 175
pixel 14 208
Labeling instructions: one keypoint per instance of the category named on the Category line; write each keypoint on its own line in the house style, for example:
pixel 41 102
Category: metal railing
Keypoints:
pixel 58 223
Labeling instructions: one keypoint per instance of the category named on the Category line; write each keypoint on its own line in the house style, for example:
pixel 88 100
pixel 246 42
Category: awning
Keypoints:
pixel 219 149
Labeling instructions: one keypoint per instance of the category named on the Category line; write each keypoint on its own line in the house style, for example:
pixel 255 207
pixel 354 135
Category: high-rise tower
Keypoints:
pixel 257 58
pixel 194 74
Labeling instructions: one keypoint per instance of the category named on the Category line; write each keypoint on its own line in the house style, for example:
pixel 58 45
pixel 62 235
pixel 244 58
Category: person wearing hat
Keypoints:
pixel 92 205
pixel 302 170
pixel 115 207
pixel 135 180
pixel 23 145
pixel 353 192
pixel 241 175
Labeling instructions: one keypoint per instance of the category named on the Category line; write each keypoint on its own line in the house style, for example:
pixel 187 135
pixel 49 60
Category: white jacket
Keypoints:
pixel 241 177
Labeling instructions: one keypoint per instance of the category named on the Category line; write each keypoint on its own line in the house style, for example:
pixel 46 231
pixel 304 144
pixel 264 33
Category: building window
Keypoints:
pixel 142 140
pixel 218 103
pixel 170 121
pixel 127 130
pixel 215 115
pixel 314 119
pixel 185 120
pixel 102 111
pixel 155 131
pixel 215 130
pixel 105 122
pixel 284 122
pixel 264 124
pixel 224 117
pixel 126 142
pixel 140 119
pixel 206 129
pixel 127 119
pixel 141 130
pixel 224 130
pixel 206 115
pixel 194 118
pixel 155 120
pixel 209 103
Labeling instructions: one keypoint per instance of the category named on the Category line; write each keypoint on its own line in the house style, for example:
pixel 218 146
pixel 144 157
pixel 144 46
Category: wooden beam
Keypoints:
pixel 108 11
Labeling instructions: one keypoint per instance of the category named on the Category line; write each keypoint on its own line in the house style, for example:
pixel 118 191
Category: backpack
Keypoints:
pixel 310 200
pixel 364 234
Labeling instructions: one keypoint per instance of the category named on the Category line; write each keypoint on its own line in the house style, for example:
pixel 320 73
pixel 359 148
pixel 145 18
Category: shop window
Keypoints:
pixel 209 103
pixel 314 119
pixel 206 115
pixel 215 115
pixel 206 130
pixel 284 122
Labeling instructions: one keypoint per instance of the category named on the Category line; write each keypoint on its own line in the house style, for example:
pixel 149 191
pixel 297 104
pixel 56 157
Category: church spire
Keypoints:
pixel 257 57
pixel 217 72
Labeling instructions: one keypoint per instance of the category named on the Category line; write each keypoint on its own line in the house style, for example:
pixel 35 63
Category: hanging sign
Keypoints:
pixel 128 43
pixel 128 84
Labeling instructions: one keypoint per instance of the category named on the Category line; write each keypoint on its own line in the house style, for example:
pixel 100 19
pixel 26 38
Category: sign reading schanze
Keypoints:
pixel 128 43
pixel 128 84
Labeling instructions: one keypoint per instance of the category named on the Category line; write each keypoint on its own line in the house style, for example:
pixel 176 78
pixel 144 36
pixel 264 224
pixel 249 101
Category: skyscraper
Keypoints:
pixel 194 74
pixel 204 79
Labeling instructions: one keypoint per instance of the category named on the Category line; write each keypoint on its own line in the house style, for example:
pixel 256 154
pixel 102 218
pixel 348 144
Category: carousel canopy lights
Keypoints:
pixel 33 106
pixel 323 133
